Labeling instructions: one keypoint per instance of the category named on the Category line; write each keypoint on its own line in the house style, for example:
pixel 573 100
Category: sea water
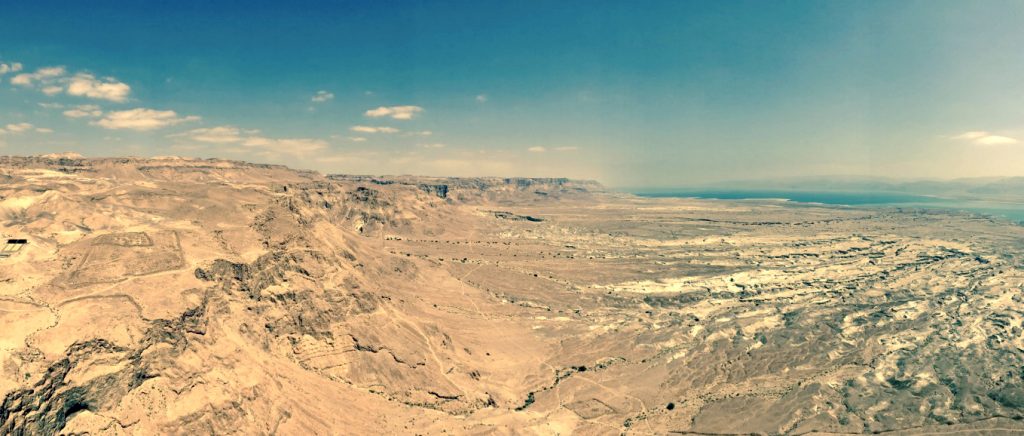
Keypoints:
pixel 1008 210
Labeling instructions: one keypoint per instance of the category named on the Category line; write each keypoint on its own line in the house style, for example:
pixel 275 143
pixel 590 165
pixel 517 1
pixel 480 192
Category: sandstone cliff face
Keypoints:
pixel 484 189
pixel 206 296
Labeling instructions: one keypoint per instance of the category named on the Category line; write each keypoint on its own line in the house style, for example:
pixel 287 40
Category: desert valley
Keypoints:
pixel 173 295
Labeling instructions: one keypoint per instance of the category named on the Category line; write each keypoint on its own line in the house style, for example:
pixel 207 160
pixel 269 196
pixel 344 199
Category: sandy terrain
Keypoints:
pixel 205 296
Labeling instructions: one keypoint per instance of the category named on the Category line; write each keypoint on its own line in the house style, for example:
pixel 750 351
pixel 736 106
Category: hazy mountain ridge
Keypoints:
pixel 982 188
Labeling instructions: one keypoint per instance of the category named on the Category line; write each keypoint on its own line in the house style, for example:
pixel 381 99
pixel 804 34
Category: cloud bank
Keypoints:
pixel 142 119
pixel 395 112
pixel 231 135
pixel 979 137
pixel 372 129
pixel 55 80
pixel 322 97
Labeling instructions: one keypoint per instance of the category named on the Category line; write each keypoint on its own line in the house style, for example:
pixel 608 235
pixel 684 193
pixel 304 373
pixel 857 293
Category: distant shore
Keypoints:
pixel 995 208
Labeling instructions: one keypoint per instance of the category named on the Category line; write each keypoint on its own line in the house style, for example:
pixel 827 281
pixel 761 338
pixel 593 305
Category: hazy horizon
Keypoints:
pixel 671 94
pixel 718 184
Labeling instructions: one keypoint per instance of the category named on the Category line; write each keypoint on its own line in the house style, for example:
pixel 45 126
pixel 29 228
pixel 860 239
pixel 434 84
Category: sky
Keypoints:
pixel 633 94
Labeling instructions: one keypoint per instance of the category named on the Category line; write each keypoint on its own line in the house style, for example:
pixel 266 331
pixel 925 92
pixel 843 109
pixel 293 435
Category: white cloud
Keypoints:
pixel 286 145
pixel 995 140
pixel 536 149
pixel 53 81
pixel 13 67
pixel 372 129
pixel 970 135
pixel 357 139
pixel 979 137
pixel 217 135
pixel 83 111
pixel 435 145
pixel 142 119
pixel 226 135
pixel 42 74
pixel 51 105
pixel 395 112
pixel 19 127
pixel 482 98
pixel 87 85
pixel 419 133
pixel 322 96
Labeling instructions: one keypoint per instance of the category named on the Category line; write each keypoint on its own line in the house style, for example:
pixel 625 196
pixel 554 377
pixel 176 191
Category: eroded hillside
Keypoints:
pixel 206 296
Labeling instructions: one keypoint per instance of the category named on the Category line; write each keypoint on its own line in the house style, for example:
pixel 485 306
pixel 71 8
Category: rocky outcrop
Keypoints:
pixel 505 215
pixel 440 190
pixel 468 189
pixel 46 406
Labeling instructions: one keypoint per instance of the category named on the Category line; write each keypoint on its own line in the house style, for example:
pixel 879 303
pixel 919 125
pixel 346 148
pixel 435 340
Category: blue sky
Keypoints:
pixel 652 94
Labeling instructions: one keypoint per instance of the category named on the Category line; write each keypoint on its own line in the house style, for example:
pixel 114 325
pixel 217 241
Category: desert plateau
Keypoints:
pixel 174 295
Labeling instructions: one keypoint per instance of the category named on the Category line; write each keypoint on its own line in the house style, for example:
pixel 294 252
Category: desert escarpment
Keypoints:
pixel 209 296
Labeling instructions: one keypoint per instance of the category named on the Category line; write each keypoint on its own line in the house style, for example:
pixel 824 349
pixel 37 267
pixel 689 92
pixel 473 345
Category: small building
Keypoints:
pixel 12 246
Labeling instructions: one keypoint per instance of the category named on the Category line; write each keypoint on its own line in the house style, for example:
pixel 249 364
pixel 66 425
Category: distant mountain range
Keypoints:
pixel 987 188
